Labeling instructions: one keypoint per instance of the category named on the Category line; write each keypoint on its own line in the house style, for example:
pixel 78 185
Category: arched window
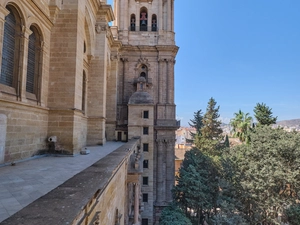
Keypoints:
pixel 132 22
pixel 143 19
pixel 154 23
pixel 144 72
pixel 10 49
pixel 33 61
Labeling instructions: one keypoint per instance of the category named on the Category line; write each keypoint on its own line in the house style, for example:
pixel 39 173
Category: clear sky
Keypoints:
pixel 240 52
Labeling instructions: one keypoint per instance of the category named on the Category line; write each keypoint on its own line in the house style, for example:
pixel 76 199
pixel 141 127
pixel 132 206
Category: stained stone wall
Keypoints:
pixel 75 62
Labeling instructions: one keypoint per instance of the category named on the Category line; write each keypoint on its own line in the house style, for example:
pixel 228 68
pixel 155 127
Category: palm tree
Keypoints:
pixel 241 125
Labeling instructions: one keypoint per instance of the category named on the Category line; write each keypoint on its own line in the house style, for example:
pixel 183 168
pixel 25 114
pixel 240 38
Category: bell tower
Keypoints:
pixel 147 57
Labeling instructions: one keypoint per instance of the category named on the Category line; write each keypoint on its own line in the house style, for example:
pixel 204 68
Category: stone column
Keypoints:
pixel 169 15
pixel 22 76
pixel 160 16
pixel 111 97
pixel 136 204
pixel 125 15
pixel 170 74
pixel 170 173
pixel 125 68
pixel 160 196
pixel 160 81
pixel 173 15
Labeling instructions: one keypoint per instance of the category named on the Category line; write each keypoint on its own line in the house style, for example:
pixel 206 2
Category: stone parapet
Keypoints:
pixel 83 199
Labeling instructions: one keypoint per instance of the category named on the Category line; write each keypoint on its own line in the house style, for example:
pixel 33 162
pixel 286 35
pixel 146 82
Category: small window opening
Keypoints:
pixel 144 221
pixel 154 23
pixel 146 114
pixel 143 19
pixel 146 130
pixel 145 180
pixel 145 164
pixel 145 197
pixel 132 22
pixel 145 147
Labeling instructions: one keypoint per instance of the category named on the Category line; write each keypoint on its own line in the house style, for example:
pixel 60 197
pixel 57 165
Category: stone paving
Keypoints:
pixel 26 181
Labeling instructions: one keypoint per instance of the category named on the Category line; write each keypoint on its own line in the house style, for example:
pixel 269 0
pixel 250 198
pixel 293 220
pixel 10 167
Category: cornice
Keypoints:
pixel 107 11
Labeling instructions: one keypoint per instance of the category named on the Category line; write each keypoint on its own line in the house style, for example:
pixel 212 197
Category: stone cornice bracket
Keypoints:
pixel 161 60
pixel 107 11
pixel 53 10
pixel 100 28
pixel 123 59
pixel 114 57
pixel 171 60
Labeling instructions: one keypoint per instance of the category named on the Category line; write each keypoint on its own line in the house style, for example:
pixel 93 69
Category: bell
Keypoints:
pixel 143 23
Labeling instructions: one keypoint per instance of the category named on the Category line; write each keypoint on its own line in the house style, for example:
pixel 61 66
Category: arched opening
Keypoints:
pixel 33 61
pixel 154 23
pixel 132 22
pixel 143 71
pixel 11 48
pixel 143 19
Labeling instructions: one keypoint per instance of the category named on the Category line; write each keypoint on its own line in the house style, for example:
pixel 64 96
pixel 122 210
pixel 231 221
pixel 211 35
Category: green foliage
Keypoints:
pixel 211 128
pixel 293 214
pixel 265 174
pixel 241 125
pixel 172 214
pixel 197 123
pixel 263 114
pixel 197 185
pixel 226 142
pixel 228 215
pixel 210 138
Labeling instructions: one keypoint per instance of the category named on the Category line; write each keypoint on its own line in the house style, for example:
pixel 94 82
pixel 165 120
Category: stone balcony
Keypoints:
pixel 97 195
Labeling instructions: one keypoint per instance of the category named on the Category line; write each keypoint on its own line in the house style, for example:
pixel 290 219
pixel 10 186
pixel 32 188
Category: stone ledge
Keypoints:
pixel 68 202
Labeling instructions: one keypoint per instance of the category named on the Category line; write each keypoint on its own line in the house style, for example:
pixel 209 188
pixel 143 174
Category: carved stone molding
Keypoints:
pixel 114 57
pixel 96 220
pixel 99 28
pixel 123 59
pixel 142 61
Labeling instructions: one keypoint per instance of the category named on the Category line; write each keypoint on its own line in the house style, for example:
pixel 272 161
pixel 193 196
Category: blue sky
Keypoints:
pixel 240 52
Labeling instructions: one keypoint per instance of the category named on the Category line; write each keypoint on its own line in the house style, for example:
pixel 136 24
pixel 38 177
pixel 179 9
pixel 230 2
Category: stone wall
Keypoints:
pixel 26 130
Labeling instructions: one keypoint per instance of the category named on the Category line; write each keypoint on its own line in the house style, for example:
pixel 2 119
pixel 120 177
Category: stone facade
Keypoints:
pixel 66 72
pixel 146 85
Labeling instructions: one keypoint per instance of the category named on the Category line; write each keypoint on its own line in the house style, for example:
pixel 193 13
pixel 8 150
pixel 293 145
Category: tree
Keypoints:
pixel 210 139
pixel 196 123
pixel 292 214
pixel 172 214
pixel 197 186
pixel 211 128
pixel 263 114
pixel 265 174
pixel 241 125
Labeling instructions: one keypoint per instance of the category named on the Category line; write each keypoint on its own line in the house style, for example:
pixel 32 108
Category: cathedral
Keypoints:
pixel 82 73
